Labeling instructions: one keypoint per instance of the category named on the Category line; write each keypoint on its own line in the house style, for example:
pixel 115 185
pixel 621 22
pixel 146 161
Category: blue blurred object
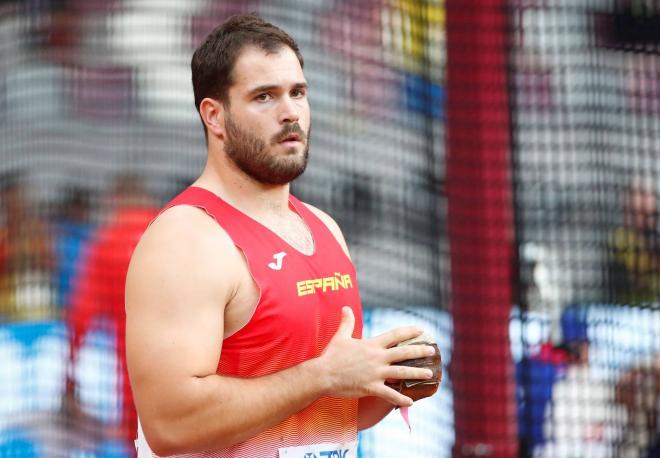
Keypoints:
pixel 28 332
pixel 114 449
pixel 424 96
pixel 574 324
pixel 15 444
pixel 69 248
pixel 535 378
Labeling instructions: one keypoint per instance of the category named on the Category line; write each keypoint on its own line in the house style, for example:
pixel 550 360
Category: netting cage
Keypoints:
pixel 492 165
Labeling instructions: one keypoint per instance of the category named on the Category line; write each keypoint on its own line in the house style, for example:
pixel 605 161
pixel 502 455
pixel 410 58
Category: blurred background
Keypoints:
pixel 493 165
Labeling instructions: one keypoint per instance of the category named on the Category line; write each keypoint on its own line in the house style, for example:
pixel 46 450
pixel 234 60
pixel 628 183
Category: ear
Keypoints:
pixel 212 113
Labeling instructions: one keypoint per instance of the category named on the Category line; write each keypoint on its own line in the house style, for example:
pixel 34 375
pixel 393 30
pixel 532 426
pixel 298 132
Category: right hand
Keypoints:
pixel 355 368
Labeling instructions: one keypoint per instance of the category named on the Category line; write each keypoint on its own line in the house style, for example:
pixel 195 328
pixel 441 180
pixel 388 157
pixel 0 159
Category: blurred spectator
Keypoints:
pixel 635 257
pixel 581 418
pixel 72 229
pixel 26 258
pixel 97 301
pixel 639 391
pixel 536 376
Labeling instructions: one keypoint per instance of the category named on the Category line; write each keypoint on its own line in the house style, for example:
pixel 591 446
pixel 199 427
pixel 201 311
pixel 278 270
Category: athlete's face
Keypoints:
pixel 267 121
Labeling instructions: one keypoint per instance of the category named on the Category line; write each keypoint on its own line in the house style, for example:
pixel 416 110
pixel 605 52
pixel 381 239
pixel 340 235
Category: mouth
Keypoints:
pixel 290 139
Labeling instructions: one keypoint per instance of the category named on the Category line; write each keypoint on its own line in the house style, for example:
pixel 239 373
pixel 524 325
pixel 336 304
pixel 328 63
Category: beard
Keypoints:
pixel 257 160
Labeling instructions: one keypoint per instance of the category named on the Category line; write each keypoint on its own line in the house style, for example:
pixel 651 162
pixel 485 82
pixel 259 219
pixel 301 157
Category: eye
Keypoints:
pixel 298 93
pixel 263 97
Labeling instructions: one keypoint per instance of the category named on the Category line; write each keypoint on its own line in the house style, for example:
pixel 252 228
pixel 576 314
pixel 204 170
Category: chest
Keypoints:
pixel 293 289
pixel 288 312
pixel 294 231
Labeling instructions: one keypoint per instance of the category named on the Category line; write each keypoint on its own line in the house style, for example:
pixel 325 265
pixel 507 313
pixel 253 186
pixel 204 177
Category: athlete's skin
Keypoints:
pixel 188 287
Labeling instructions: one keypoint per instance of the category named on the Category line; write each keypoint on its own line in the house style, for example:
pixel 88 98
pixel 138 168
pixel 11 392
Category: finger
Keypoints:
pixel 397 335
pixel 392 396
pixel 405 352
pixel 347 322
pixel 407 373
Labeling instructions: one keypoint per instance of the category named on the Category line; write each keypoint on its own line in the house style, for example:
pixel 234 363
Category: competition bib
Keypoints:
pixel 325 450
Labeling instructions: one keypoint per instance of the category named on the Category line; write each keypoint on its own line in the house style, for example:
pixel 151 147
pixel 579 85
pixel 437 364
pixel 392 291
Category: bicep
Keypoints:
pixel 170 319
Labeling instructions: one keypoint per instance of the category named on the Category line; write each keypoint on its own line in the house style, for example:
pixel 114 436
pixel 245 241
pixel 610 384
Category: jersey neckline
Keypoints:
pixel 292 206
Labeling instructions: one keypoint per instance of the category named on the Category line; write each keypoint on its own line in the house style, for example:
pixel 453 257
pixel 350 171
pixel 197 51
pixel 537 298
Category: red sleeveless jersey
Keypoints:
pixel 298 312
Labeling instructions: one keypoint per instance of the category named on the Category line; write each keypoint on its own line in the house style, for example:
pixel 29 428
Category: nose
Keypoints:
pixel 289 111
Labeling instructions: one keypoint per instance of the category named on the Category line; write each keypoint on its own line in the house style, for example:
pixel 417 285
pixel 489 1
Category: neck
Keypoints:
pixel 222 177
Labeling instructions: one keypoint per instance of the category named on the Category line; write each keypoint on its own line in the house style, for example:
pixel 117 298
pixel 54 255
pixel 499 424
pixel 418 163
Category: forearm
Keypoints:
pixel 371 410
pixel 215 412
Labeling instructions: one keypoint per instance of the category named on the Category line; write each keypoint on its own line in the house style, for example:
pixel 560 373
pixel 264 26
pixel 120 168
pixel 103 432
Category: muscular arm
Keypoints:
pixel 182 276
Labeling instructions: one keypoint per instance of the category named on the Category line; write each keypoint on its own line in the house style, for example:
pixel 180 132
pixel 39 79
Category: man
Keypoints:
pixel 581 418
pixel 244 319
pixel 97 296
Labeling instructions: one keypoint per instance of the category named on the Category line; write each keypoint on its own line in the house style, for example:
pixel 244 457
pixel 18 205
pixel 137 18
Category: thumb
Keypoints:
pixel 347 322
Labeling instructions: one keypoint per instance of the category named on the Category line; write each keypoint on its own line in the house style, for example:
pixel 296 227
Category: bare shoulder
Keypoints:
pixel 185 247
pixel 331 225
pixel 187 223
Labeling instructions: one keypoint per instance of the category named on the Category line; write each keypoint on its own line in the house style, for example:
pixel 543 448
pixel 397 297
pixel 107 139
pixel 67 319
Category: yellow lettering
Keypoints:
pixel 347 281
pixel 328 282
pixel 311 284
pixel 302 288
pixel 305 287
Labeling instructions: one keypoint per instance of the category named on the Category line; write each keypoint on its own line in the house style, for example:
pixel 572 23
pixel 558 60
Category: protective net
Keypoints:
pixel 99 129
pixel 584 91
pixel 491 163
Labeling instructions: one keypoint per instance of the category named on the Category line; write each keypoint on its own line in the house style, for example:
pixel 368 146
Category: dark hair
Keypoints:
pixel 213 61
